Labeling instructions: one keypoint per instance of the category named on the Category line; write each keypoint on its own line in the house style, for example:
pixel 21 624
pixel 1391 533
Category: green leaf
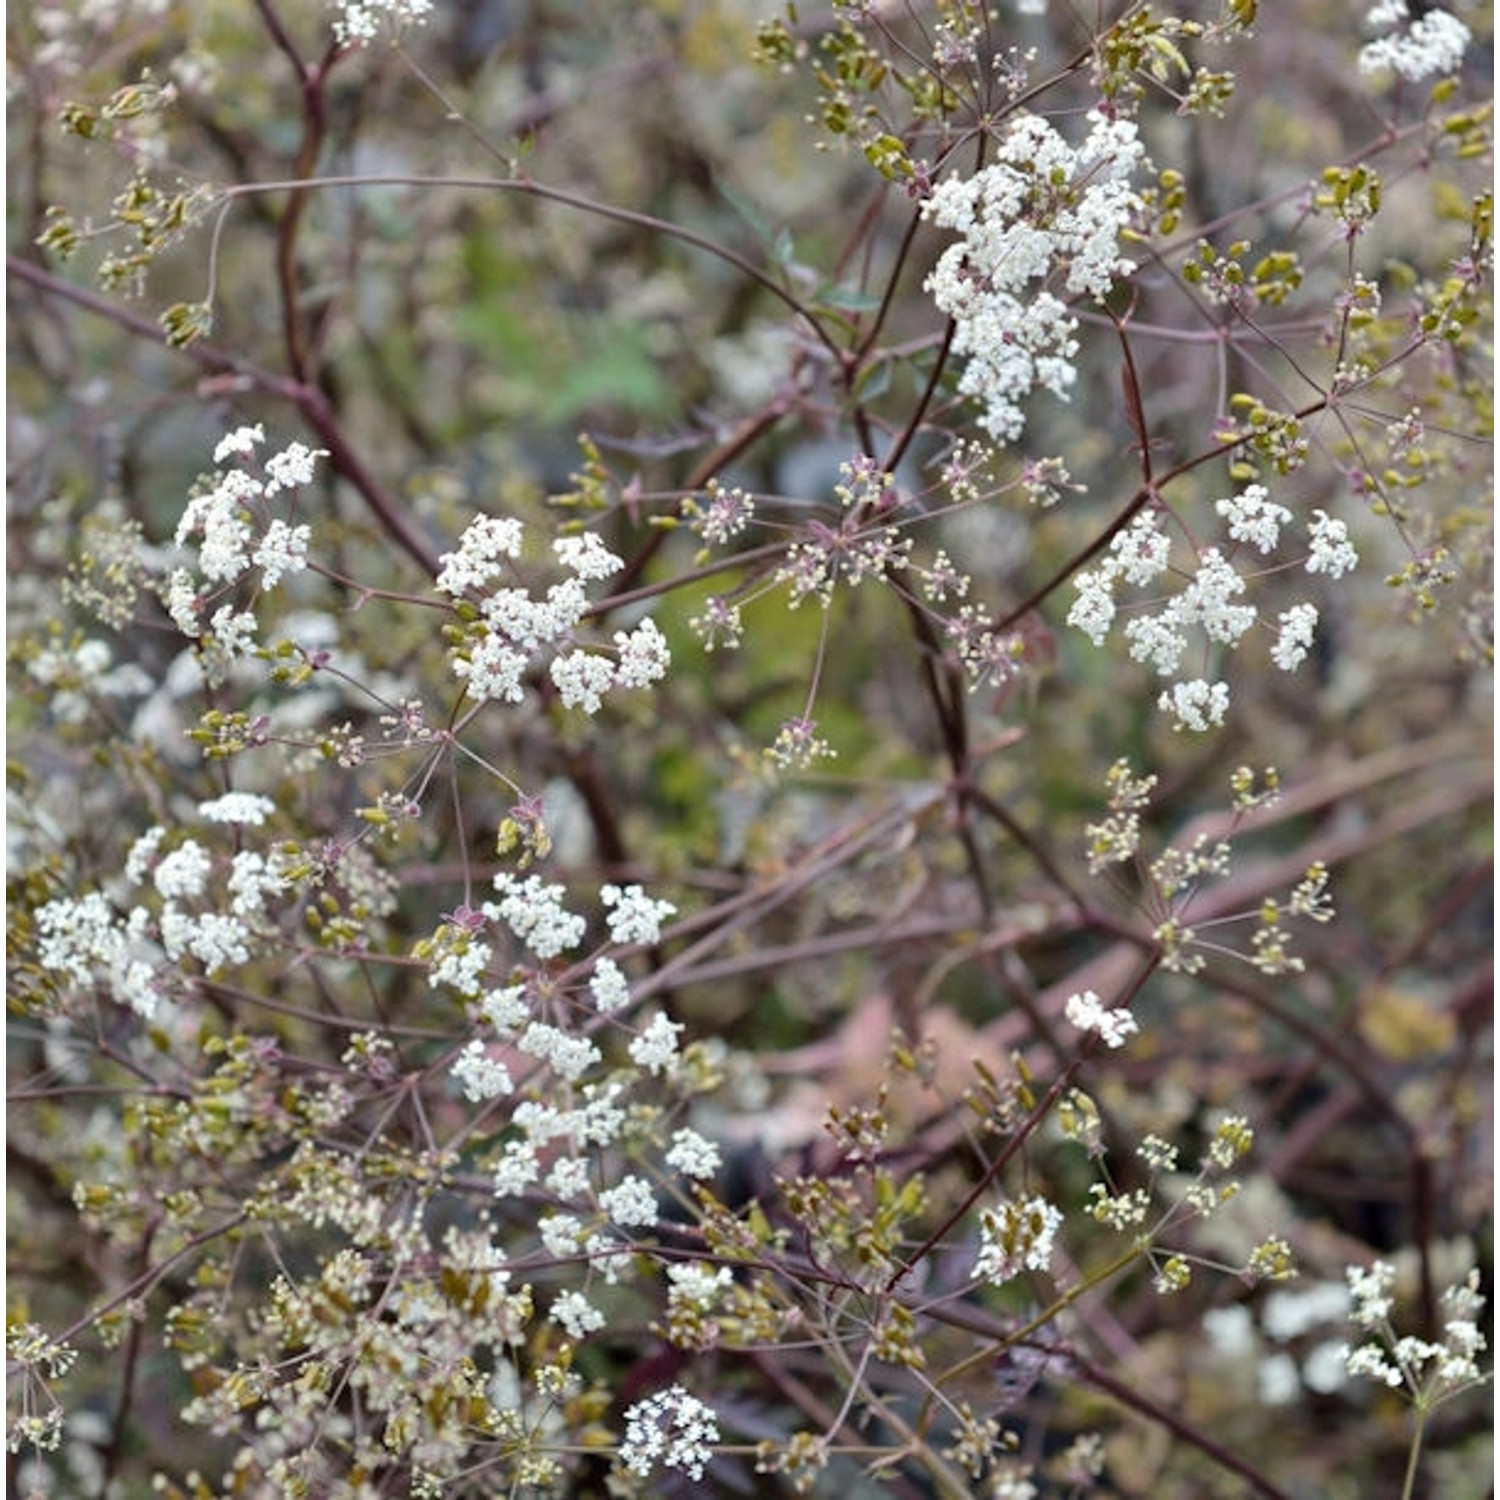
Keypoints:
pixel 846 299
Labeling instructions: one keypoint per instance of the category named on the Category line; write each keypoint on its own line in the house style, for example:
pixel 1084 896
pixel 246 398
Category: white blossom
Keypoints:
pixel 587 556
pixel 1371 1292
pixel 568 1177
pixel 138 985
pixel 143 854
pixel 1332 553
pixel 252 878
pixel 241 443
pixel 671 1428
pixel 282 549
pixel 582 679
pixel 551 618
pixel 531 623
pixel 1371 1362
pixel 506 1009
pixel 636 917
pixel 1157 640
pixel 79 936
pixel 560 1234
pixel 183 873
pixel 1254 518
pixel 493 670
pixel 643 656
pixel 696 1284
pixel 1295 636
pixel 656 1047
pixel 293 466
pixel 359 21
pixel 487 543
pixel 1197 705
pixel 726 515
pixel 610 1257
pixel 213 938
pixel 1016 1236
pixel 237 807
pixel 1088 1013
pixel 577 1315
pixel 719 624
pixel 481 1076
pixel 630 1203
pixel 608 986
pixel 1093 611
pixel 1206 599
pixel 1434 43
pixel 1039 208
pixel 233 631
pixel 461 966
pixel 219 518
pixel 1429 1369
pixel 183 602
pixel 601 1119
pixel 569 1056
pixel 516 1170
pixel 535 913
pixel 1140 552
pixel 692 1154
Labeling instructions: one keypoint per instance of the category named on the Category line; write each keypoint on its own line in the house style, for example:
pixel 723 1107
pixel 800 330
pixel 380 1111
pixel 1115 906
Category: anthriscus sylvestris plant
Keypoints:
pixel 748 749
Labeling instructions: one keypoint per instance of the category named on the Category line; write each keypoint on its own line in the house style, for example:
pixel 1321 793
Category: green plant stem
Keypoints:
pixel 1040 1320
pixel 1413 1458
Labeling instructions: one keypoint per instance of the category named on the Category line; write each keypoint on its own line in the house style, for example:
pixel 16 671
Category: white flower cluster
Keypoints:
pixel 481 1076
pixel 1140 554
pixel 575 1313
pixel 79 673
pixel 1088 1013
pixel 692 1154
pixel 517 628
pixel 1434 43
pixel 1430 1370
pixel 1040 208
pixel 1331 550
pixel 596 1120
pixel 696 1284
pixel 568 1055
pixel 635 917
pixel 631 1203
pixel 457 959
pixel 360 21
pixel 1295 637
pixel 722 516
pixel 224 519
pixel 238 807
pixel 1371 1293
pixel 655 1049
pixel 221 516
pixel 534 911
pixel 487 543
pixel 858 548
pixel 671 1428
pixel 608 986
pixel 1016 1236
pixel 86 941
